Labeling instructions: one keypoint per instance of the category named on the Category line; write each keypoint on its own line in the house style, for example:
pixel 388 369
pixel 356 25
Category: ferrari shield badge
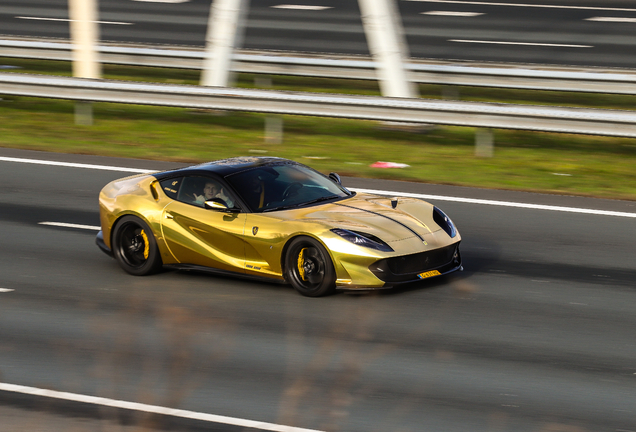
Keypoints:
pixel 254 230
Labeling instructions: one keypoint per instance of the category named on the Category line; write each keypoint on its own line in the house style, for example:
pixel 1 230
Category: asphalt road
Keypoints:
pixel 537 334
pixel 563 32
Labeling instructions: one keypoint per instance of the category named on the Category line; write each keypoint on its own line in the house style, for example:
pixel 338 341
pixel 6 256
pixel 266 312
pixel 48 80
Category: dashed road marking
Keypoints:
pixel 612 19
pixel 70 225
pixel 69 20
pixel 5 290
pixel 520 43
pixel 301 7
pixel 452 13
pixel 528 5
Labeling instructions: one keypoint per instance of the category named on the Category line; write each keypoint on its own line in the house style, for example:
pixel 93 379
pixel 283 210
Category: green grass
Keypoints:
pixel 594 166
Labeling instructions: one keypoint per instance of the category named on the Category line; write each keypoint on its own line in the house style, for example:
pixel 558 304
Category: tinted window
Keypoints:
pixel 196 190
pixel 171 187
pixel 267 188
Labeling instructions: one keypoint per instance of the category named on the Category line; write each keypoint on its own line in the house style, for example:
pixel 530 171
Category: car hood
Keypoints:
pixel 409 224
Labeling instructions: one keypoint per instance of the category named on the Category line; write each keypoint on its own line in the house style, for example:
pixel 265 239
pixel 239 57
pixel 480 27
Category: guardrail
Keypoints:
pixel 472 114
pixel 421 71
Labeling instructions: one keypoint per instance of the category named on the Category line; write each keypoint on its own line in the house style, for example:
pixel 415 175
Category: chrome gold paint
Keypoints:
pixel 204 237
pixel 134 196
pixel 191 235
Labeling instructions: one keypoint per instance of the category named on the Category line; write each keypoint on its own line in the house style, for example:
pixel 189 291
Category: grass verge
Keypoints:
pixel 552 163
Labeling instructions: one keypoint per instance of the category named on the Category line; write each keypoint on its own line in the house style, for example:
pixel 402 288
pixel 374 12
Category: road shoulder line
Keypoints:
pixel 150 408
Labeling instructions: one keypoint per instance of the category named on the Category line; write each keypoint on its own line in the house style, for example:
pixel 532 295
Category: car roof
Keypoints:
pixel 226 167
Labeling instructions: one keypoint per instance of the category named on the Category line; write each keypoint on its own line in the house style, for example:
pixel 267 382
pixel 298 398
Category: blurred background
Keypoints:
pixel 535 335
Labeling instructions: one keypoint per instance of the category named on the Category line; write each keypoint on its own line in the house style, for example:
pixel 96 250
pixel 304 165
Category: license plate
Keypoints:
pixel 428 274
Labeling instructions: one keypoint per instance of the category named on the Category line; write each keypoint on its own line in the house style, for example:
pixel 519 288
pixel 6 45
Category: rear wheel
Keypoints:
pixel 308 268
pixel 135 247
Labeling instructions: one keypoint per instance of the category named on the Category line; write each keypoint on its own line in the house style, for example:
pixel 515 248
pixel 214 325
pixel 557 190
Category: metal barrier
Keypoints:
pixel 472 114
pixel 421 71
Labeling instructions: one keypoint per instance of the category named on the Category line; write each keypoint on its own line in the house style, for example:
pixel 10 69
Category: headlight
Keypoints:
pixel 363 239
pixel 444 222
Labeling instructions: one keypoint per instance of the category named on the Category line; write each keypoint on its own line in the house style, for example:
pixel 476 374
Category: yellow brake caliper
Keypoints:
pixel 301 261
pixel 146 244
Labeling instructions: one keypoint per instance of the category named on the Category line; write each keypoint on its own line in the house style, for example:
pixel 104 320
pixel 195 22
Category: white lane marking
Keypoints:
pixel 372 191
pixel 301 7
pixel 68 20
pixel 70 225
pixel 5 290
pixel 451 13
pixel 151 408
pixel 499 203
pixel 526 5
pixel 612 19
pixel 76 165
pixel 519 43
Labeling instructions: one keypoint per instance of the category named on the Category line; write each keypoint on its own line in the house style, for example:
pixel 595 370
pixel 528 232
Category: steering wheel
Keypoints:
pixel 292 189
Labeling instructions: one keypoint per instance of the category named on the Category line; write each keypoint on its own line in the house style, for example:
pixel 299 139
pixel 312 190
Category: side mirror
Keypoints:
pixel 335 177
pixel 216 204
pixel 220 205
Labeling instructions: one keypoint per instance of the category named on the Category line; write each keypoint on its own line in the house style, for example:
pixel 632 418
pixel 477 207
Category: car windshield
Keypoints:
pixel 285 186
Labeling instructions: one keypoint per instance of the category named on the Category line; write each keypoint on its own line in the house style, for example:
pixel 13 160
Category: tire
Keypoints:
pixel 308 268
pixel 135 247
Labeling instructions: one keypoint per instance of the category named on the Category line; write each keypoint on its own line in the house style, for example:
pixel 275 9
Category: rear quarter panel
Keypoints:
pixel 138 196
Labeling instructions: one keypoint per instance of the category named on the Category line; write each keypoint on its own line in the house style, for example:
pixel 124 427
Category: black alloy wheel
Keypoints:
pixel 308 268
pixel 135 247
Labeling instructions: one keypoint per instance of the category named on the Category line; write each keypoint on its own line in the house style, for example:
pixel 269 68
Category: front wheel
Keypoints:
pixel 135 247
pixel 308 268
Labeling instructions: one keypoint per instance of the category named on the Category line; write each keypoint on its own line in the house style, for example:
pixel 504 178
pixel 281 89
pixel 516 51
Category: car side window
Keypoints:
pixel 171 187
pixel 196 190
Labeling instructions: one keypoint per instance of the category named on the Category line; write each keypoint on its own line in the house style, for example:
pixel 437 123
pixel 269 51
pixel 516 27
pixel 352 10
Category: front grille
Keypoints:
pixel 421 261
pixel 405 268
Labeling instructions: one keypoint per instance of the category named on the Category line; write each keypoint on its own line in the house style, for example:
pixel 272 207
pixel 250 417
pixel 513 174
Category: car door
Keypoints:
pixel 201 236
pixel 265 237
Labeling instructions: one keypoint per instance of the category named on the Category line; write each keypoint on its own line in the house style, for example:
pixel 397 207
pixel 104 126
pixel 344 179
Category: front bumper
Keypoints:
pixel 407 268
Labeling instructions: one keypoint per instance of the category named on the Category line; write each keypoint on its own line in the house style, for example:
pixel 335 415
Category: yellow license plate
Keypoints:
pixel 428 274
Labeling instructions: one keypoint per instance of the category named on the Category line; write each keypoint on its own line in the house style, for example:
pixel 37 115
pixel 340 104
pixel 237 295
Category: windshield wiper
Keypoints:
pixel 292 206
pixel 287 207
pixel 317 200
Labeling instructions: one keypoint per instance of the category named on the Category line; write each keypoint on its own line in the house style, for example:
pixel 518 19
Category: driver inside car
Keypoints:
pixel 212 190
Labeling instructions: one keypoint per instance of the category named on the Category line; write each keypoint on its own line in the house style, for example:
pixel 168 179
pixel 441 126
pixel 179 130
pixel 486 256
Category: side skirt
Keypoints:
pixel 219 272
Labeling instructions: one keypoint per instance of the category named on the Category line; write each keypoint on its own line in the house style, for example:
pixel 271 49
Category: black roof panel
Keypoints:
pixel 225 167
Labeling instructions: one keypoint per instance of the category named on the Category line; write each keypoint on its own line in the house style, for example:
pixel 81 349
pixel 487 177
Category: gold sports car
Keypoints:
pixel 266 217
